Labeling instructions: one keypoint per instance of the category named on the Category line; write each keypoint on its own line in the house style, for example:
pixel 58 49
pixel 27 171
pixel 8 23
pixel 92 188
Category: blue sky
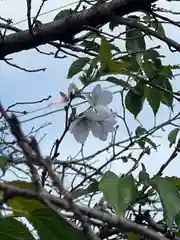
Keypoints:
pixel 17 86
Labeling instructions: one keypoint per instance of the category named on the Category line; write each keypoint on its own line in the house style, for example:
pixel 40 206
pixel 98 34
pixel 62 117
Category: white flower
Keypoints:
pixel 99 119
pixel 99 97
pixel 80 130
pixel 99 125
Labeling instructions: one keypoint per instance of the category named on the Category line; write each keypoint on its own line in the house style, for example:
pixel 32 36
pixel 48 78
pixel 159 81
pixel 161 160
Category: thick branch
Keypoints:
pixel 124 225
pixel 61 29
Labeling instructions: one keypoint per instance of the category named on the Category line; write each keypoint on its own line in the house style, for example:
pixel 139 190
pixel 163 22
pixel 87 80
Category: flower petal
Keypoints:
pixel 105 98
pixel 92 115
pixel 73 125
pixel 90 100
pixel 103 136
pixel 103 112
pixel 107 127
pixel 79 129
pixel 72 88
pixel 81 136
pixel 96 91
pixel 95 128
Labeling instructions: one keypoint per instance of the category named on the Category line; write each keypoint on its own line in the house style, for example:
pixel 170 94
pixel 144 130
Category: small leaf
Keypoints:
pixel 169 196
pixel 63 13
pixel 90 45
pixel 172 136
pixel 134 102
pixel 3 164
pixel 64 96
pixel 118 192
pixel 92 188
pixel 153 97
pixel 77 66
pixel 151 54
pixel 150 142
pixel 140 131
pixel 150 69
pixel 90 71
pixel 165 71
pixel 143 176
pixel 134 66
pixel 167 98
pixel 118 67
pixel 135 42
pixel 158 27
pixel 105 53
pixel 120 82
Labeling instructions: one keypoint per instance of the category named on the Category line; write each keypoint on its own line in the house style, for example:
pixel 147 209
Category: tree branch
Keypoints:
pixel 124 225
pixel 61 29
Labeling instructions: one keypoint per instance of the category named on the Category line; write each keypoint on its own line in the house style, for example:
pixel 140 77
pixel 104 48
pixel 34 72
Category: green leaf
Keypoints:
pixel 174 180
pixel 143 176
pixel 118 192
pixel 120 82
pixel 165 71
pixel 77 66
pixel 169 196
pixel 150 142
pixel 140 131
pixel 149 69
pixel 134 102
pixel 92 188
pixel 158 27
pixel 174 67
pixel 22 204
pixel 90 71
pixel 91 45
pixel 167 98
pixel 118 67
pixel 172 136
pixel 135 42
pixel 153 97
pixel 4 162
pixel 63 13
pixel 134 66
pixel 133 236
pixel 105 53
pixel 151 54
pixel 12 229
pixel 49 225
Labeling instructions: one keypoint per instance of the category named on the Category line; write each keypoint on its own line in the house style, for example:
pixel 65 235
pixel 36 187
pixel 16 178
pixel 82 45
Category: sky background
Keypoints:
pixel 17 85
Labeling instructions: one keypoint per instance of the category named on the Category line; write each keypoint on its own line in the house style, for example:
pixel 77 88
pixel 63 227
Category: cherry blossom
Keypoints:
pixel 99 97
pixel 79 128
pixel 99 125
